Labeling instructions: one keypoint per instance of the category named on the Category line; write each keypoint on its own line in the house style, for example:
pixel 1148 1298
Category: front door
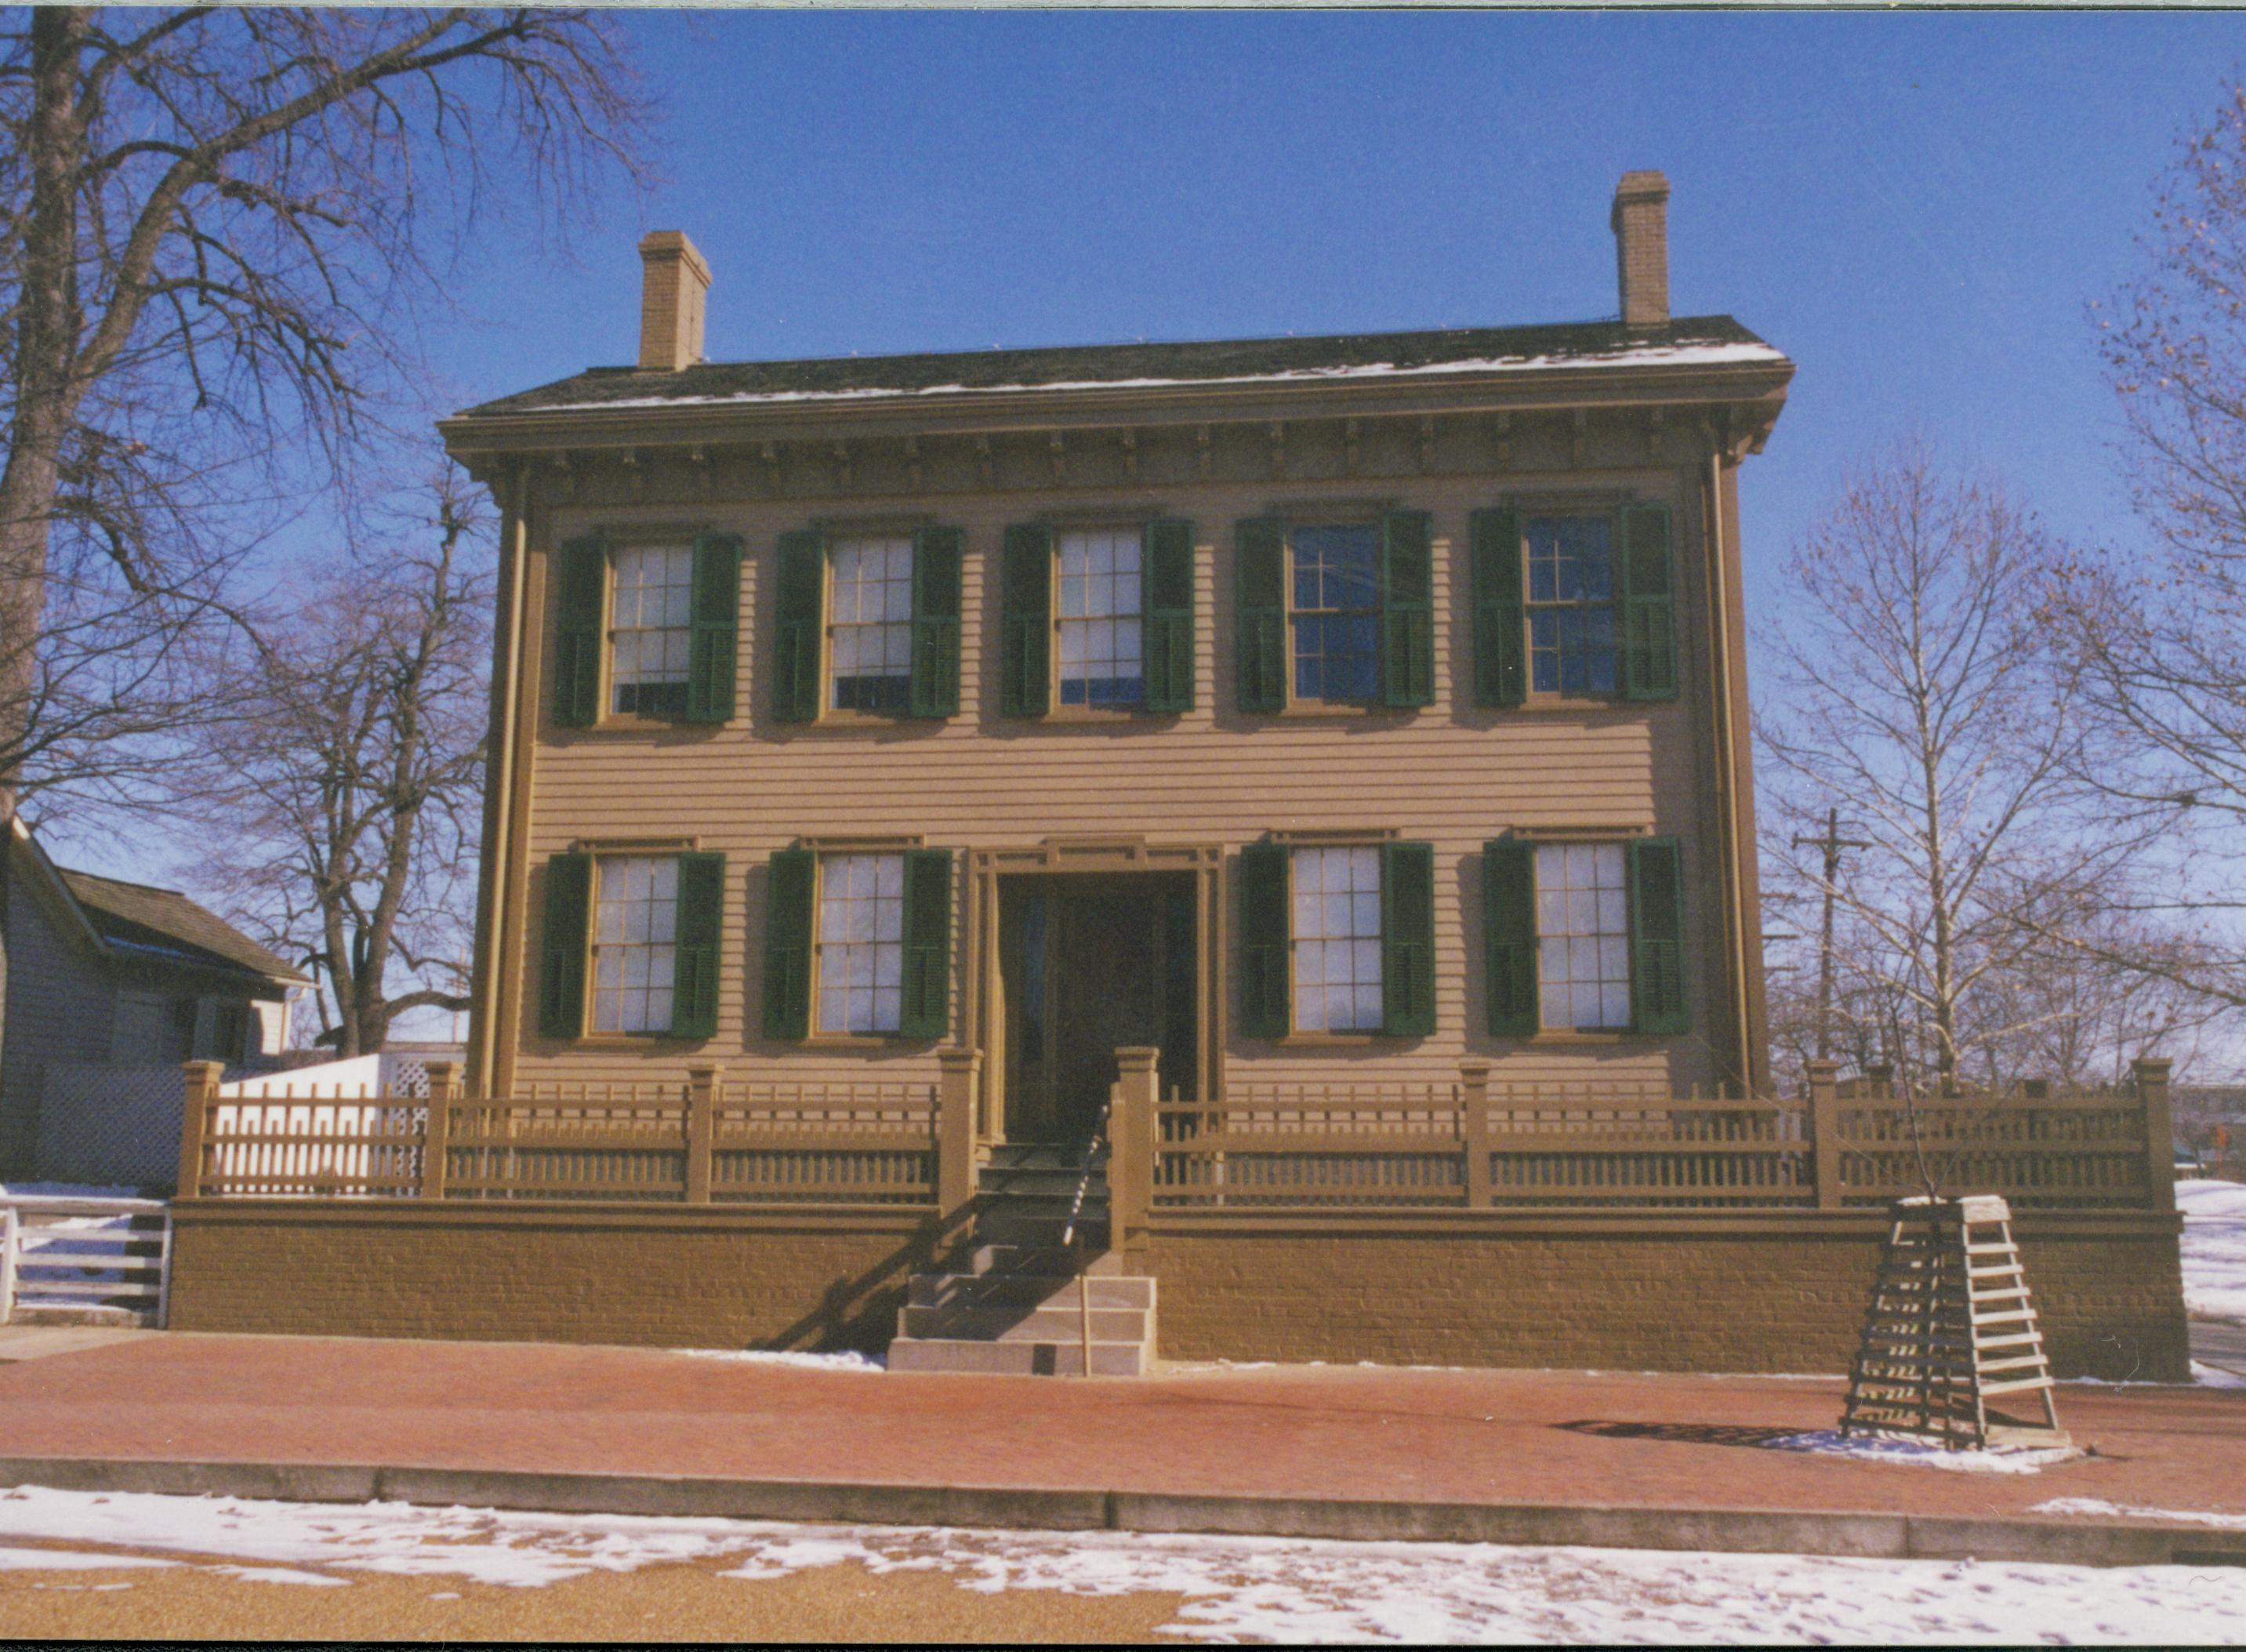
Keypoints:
pixel 1088 963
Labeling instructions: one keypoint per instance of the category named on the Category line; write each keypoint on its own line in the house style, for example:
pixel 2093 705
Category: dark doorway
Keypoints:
pixel 1090 963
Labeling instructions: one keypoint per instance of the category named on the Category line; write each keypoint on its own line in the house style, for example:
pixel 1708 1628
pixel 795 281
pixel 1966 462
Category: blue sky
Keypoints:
pixel 1915 207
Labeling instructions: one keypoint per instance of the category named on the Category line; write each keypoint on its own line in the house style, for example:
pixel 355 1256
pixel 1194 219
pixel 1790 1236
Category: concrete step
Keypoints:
pixel 1045 1261
pixel 1039 1184
pixel 1024 1290
pixel 1040 1155
pixel 1059 1358
pixel 1041 1233
pixel 1056 1322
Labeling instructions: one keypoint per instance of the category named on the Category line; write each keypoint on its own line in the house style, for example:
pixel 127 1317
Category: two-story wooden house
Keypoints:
pixel 1301 707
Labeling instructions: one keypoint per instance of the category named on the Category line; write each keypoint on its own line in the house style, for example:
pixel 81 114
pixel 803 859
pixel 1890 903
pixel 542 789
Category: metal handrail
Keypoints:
pixel 1084 1182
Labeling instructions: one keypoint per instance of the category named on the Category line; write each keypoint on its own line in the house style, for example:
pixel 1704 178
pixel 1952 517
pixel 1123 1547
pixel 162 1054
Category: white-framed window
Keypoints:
pixel 1582 937
pixel 635 931
pixel 1100 617
pixel 1572 604
pixel 650 629
pixel 869 624
pixel 1334 612
pixel 1336 940
pixel 862 943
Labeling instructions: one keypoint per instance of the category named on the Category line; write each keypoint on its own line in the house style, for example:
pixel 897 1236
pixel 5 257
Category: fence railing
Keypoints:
pixel 705 1141
pixel 64 1257
pixel 1462 1144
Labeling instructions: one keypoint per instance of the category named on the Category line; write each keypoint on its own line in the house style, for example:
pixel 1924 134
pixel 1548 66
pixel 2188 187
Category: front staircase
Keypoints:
pixel 1010 1303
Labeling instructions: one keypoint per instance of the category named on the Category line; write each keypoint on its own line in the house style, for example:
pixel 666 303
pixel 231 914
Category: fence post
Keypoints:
pixel 954 1129
pixel 1825 1131
pixel 444 1090
pixel 7 1262
pixel 1882 1076
pixel 195 1119
pixel 1473 1131
pixel 2152 1076
pixel 1130 1148
pixel 702 1081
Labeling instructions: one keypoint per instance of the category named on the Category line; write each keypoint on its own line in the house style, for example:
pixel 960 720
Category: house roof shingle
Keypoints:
pixel 141 916
pixel 1697 339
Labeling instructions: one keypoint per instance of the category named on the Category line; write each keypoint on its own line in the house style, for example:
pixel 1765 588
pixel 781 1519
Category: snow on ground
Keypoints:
pixel 1925 1454
pixel 1234 1588
pixel 845 1361
pixel 2100 1507
pixel 2214 1248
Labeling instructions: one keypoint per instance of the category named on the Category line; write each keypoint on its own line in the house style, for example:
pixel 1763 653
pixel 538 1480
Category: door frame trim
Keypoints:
pixel 1101 855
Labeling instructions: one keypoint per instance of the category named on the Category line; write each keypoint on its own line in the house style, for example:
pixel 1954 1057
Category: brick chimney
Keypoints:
pixel 1640 221
pixel 674 282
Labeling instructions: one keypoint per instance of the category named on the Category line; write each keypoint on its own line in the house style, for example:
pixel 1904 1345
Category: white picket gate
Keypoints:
pixel 84 1258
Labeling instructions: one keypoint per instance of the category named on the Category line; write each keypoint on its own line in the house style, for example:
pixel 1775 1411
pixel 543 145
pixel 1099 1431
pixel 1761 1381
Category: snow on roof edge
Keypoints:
pixel 1674 355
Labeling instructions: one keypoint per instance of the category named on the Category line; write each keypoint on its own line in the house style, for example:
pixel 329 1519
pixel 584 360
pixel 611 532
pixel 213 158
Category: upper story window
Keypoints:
pixel 866 623
pixel 1101 618
pixel 870 624
pixel 650 625
pixel 1334 612
pixel 635 934
pixel 1582 937
pixel 646 632
pixel 861 942
pixel 1572 604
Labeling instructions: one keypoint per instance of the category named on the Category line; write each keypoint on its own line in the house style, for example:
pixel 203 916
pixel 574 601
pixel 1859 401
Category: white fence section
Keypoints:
pixel 84 1258
pixel 319 1130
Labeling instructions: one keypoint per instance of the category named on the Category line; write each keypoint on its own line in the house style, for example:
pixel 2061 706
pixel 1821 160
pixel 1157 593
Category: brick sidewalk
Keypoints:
pixel 1465 1436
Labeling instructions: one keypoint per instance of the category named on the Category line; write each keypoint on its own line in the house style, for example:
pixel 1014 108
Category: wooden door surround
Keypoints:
pixel 1104 857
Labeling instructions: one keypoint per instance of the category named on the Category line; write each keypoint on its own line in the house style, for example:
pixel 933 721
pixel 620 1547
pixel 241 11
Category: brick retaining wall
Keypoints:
pixel 1768 1292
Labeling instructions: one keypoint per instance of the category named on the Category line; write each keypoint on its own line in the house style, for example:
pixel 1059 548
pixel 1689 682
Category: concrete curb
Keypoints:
pixel 1870 1535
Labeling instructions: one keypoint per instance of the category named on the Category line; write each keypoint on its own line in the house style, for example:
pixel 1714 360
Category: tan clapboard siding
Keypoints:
pixel 1453 775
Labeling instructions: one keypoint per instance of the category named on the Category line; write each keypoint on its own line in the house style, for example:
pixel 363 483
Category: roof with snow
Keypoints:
pixel 1690 341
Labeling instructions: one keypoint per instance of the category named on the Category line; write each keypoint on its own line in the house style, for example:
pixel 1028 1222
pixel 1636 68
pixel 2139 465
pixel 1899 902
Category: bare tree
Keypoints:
pixel 2155 637
pixel 1918 700
pixel 217 228
pixel 341 794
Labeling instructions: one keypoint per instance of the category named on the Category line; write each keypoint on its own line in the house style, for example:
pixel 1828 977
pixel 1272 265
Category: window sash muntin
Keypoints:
pixel 634 944
pixel 1333 613
pixel 1097 605
pixel 1334 935
pixel 650 629
pixel 858 949
pixel 1569 567
pixel 869 612
pixel 1582 937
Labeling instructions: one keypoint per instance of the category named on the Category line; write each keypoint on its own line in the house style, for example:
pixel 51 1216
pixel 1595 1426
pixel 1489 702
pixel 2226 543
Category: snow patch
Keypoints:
pixel 1871 1447
pixel 2098 1505
pixel 2214 1248
pixel 845 1361
pixel 69 1560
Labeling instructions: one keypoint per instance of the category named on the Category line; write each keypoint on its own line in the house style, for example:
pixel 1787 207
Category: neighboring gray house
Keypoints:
pixel 111 986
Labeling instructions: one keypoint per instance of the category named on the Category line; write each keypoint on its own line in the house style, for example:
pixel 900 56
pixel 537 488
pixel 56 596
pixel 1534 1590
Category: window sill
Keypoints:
pixel 1322 708
pixel 858 1040
pixel 839 718
pixel 1569 1035
pixel 1104 715
pixel 1571 703
pixel 1335 1041
pixel 631 723
pixel 628 1040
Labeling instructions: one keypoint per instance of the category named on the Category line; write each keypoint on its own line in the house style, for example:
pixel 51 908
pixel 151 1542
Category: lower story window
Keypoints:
pixel 1582 937
pixel 636 921
pixel 862 930
pixel 1336 940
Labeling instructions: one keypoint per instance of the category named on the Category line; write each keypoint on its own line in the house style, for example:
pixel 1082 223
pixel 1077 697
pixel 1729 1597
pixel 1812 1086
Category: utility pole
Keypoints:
pixel 1832 842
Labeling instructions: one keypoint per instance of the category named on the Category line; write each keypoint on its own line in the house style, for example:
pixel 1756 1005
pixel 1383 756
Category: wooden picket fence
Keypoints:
pixel 1464 1144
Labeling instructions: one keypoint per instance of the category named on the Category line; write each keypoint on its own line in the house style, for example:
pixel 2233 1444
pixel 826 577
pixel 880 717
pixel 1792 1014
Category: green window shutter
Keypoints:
pixel 1657 937
pixel 715 638
pixel 936 623
pixel 1649 605
pixel 1264 1012
pixel 1509 937
pixel 1407 611
pixel 799 617
pixel 927 1008
pixel 789 903
pixel 561 959
pixel 1260 592
pixel 1407 940
pixel 584 575
pixel 1500 641
pixel 1167 635
pixel 694 973
pixel 1026 621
